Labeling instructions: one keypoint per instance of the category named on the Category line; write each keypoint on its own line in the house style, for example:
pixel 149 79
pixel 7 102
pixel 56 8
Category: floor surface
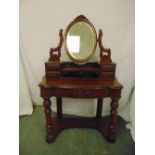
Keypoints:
pixel 70 141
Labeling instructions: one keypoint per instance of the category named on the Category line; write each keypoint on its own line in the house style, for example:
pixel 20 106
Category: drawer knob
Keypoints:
pixel 74 93
pixel 88 93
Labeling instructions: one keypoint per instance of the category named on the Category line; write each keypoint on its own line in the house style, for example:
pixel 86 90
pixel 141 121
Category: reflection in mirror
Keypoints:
pixel 73 43
pixel 80 41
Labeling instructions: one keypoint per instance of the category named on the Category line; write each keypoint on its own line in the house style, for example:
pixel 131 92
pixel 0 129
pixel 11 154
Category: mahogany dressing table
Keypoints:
pixel 80 79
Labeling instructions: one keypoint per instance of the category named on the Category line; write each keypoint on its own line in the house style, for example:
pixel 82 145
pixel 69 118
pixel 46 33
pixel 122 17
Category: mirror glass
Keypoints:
pixel 80 41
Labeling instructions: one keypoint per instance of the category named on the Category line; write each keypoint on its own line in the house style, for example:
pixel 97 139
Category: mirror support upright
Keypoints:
pixel 55 53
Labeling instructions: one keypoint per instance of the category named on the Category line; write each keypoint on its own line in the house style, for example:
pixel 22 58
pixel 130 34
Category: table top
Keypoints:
pixel 79 83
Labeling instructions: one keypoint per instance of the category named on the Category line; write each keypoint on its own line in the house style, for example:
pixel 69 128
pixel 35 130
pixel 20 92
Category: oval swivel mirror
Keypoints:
pixel 80 40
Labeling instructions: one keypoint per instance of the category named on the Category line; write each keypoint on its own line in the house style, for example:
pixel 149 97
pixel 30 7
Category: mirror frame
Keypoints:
pixel 80 18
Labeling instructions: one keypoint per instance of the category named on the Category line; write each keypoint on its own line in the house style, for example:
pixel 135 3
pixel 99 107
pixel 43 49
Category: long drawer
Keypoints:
pixel 80 93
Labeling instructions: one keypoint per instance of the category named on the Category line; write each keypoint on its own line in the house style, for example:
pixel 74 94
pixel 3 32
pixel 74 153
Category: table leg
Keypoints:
pixel 113 116
pixel 47 106
pixel 99 108
pixel 59 107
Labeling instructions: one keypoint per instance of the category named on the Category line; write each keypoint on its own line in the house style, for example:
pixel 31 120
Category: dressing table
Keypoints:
pixel 80 79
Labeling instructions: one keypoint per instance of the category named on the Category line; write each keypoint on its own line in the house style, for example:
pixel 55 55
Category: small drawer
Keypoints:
pixel 108 68
pixel 53 74
pixel 82 93
pixel 107 75
pixel 52 67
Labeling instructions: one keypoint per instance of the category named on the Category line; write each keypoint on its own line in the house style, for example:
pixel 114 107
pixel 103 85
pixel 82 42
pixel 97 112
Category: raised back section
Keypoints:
pixel 104 69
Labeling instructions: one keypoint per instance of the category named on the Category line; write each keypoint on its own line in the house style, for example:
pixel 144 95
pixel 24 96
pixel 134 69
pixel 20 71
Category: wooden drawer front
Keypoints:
pixel 52 67
pixel 53 74
pixel 82 93
pixel 107 75
pixel 108 68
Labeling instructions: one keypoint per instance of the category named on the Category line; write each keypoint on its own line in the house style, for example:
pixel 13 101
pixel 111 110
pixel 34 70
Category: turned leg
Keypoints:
pixel 47 106
pixel 59 107
pixel 99 108
pixel 113 116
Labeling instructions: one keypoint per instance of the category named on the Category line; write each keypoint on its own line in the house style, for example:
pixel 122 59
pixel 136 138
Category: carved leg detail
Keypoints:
pixel 113 116
pixel 47 106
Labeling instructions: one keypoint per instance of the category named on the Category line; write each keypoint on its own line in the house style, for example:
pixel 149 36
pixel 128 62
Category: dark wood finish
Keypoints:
pixel 70 69
pixel 60 124
pixel 81 17
pixel 113 112
pixel 80 88
pixel 85 81
pixel 59 107
pixel 55 53
pixel 99 108
pixel 47 105
pixel 105 53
